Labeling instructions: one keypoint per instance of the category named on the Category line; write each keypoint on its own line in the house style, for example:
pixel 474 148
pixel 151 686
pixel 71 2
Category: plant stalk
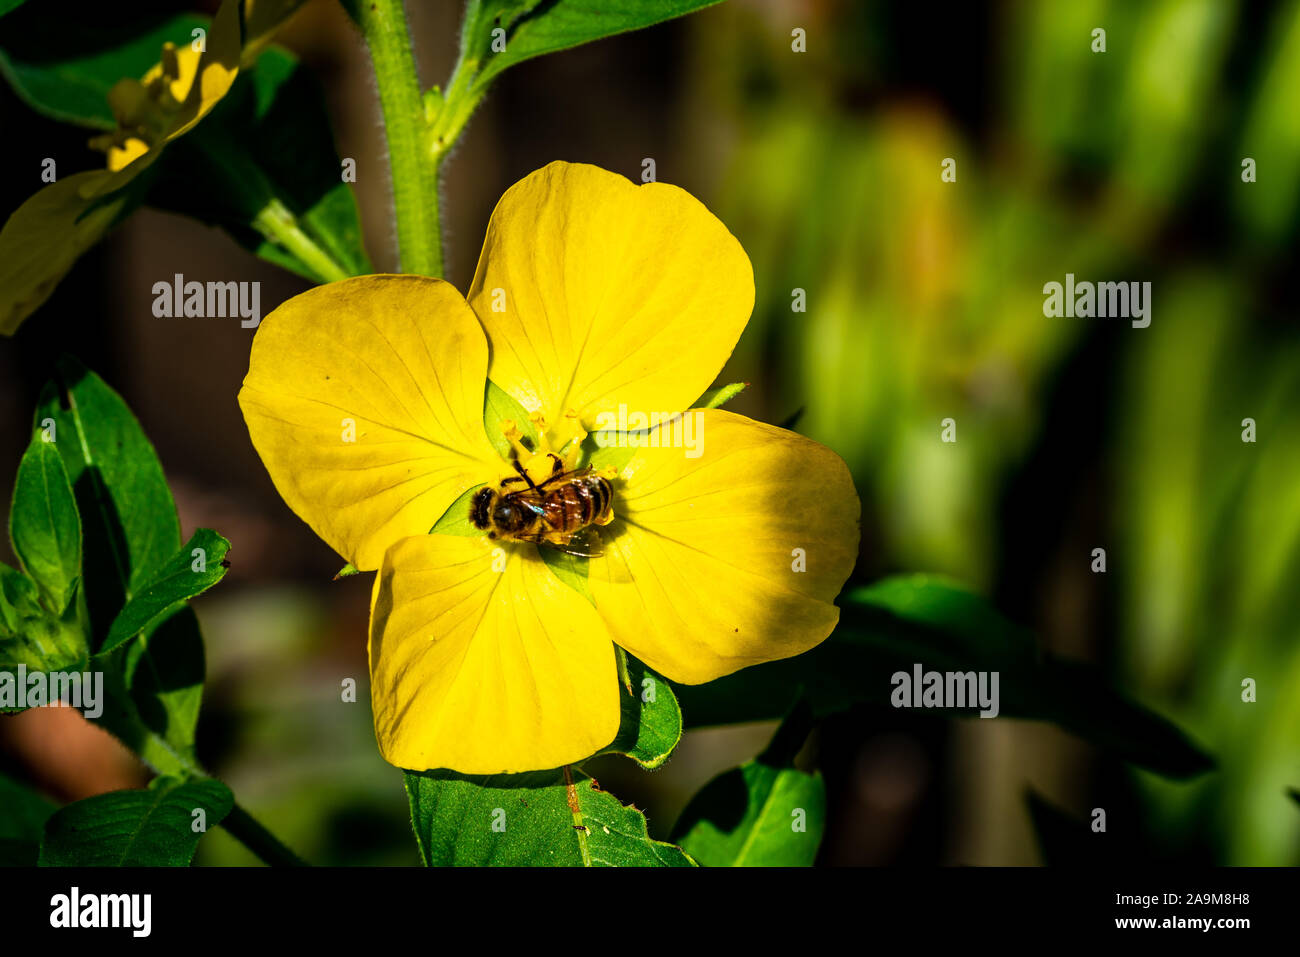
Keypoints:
pixel 415 180
pixel 249 832
pixel 278 224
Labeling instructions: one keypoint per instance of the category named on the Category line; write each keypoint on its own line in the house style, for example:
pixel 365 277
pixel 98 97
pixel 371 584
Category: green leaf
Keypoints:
pixel 570 569
pixel 269 139
pixel 556 817
pixel 149 715
pixel 33 636
pixel 198 566
pixel 66 73
pixel 44 525
pixel 500 406
pixel 900 622
pixel 455 521
pixel 716 398
pixel 534 27
pixel 765 813
pixel 1271 135
pixel 651 723
pixel 150 828
pixel 611 448
pixel 128 519
pixel 163 671
pixel 602 450
pixel 23 814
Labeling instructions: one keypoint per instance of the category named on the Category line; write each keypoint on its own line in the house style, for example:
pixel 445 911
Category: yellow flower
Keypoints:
pixel 600 300
pixel 47 234
pixel 174 95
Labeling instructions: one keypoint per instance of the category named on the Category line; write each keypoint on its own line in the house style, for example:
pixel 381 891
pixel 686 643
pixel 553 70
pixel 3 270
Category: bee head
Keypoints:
pixel 508 516
pixel 493 512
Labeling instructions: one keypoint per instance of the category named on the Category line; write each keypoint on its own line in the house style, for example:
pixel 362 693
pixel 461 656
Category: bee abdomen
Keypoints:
pixel 578 504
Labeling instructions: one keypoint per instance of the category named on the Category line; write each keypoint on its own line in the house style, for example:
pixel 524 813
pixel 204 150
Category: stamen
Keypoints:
pixel 543 440
pixel 515 438
pixel 572 449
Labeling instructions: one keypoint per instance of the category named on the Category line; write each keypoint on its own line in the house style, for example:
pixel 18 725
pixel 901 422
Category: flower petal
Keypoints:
pixel 485 671
pixel 44 237
pixel 613 293
pixel 700 573
pixel 262 18
pixel 202 79
pixel 401 362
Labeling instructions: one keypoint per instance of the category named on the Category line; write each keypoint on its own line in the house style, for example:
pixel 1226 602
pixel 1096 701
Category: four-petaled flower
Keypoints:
pixel 593 297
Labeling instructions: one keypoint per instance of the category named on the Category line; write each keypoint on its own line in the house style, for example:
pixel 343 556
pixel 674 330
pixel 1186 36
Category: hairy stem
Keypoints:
pixel 415 179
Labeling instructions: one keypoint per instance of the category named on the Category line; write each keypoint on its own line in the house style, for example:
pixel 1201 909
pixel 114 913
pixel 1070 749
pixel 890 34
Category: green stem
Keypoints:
pixel 243 181
pixel 259 840
pixel 277 223
pixel 415 180
pixel 454 108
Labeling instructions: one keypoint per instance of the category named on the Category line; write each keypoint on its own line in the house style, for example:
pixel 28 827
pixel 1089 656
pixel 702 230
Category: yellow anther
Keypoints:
pixel 515 438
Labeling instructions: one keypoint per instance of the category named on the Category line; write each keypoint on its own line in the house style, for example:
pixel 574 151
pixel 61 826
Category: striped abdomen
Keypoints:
pixel 577 504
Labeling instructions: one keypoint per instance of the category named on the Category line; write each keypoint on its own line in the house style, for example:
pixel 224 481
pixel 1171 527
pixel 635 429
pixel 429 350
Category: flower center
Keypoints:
pixel 546 499
pixel 558 450
pixel 146 109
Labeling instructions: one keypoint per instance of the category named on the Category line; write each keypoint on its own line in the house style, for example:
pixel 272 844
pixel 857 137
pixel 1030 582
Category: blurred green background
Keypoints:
pixel 923 302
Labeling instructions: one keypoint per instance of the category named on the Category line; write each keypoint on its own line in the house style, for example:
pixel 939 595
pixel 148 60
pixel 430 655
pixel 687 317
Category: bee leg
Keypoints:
pixel 523 473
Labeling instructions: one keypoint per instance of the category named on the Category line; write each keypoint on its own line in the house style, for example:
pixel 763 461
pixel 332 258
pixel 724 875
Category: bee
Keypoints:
pixel 561 512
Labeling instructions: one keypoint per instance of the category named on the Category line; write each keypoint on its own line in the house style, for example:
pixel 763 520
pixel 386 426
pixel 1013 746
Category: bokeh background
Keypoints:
pixel 924 301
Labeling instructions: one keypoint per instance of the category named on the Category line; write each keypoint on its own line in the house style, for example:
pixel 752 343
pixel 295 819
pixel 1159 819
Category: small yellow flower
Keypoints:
pixel 173 96
pixel 50 231
pixel 600 300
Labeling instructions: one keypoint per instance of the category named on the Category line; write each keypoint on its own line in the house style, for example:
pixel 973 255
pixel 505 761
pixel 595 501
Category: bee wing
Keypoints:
pixel 528 499
pixel 585 543
pixel 562 477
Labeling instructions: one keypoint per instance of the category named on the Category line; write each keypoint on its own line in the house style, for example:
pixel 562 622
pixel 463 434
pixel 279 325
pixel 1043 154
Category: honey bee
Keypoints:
pixel 561 512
